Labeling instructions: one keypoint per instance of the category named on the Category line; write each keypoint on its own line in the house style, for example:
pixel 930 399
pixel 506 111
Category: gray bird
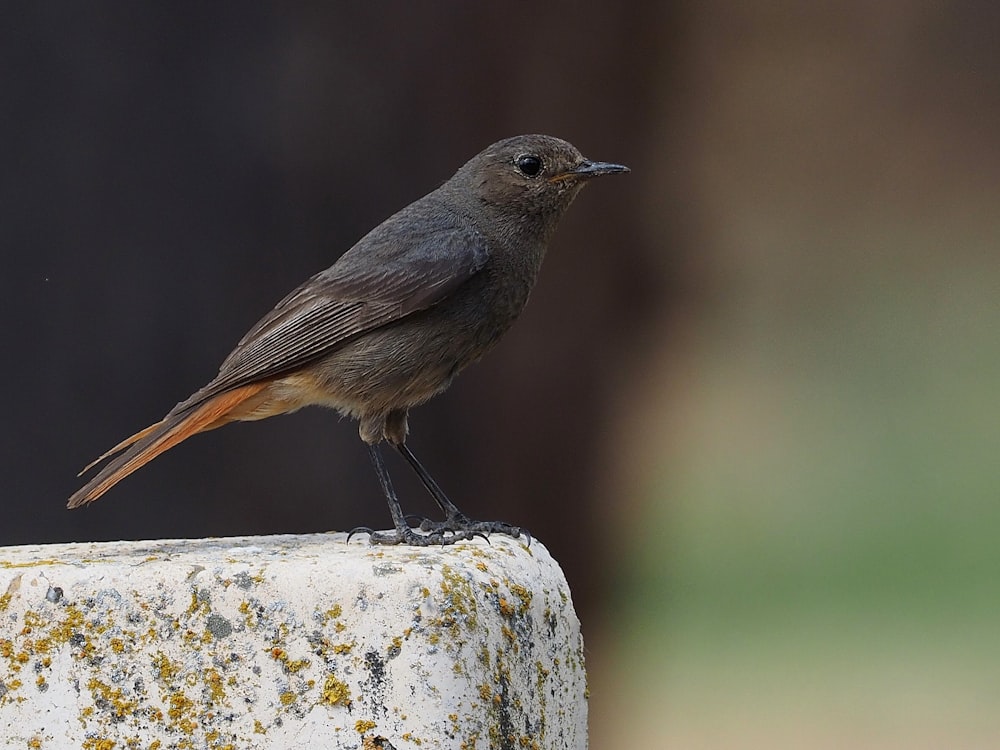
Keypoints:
pixel 427 292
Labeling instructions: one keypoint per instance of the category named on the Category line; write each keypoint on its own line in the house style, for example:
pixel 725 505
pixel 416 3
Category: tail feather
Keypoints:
pixel 121 446
pixel 149 443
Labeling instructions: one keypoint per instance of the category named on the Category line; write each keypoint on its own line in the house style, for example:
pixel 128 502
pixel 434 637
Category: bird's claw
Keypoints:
pixel 359 530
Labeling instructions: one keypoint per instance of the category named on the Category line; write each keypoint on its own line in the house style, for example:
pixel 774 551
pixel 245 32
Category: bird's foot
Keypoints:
pixel 440 533
pixel 467 528
pixel 409 536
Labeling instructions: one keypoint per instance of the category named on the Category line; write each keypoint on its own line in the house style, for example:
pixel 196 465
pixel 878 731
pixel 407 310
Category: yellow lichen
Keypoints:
pixel 362 726
pixel 297 665
pixel 165 668
pixel 63 631
pixel 32 564
pixel 111 696
pixel 279 654
pixel 248 615
pixel 459 594
pixel 179 705
pixel 524 595
pixel 335 691
pixel 214 682
pixel 287 698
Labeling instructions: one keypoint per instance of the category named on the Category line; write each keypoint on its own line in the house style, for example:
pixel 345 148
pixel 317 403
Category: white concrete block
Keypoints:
pixel 288 642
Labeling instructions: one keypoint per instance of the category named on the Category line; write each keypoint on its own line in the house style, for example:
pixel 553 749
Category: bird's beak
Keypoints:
pixel 588 169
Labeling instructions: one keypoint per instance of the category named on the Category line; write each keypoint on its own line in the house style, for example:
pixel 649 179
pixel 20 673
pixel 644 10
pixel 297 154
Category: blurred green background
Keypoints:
pixel 816 465
pixel 752 407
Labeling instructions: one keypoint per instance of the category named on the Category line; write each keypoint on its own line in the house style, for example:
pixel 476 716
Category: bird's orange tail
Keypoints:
pixel 149 443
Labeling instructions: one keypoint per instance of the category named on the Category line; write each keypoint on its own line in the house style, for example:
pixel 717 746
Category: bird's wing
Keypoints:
pixel 394 271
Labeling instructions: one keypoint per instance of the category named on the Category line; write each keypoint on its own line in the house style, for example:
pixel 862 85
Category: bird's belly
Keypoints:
pixel 384 370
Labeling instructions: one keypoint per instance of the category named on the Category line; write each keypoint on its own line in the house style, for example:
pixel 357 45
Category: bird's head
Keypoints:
pixel 530 175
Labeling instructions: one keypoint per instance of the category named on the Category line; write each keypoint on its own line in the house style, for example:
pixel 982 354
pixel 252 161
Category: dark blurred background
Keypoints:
pixel 751 408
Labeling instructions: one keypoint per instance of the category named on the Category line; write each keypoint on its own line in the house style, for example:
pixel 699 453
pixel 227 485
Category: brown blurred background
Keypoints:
pixel 752 407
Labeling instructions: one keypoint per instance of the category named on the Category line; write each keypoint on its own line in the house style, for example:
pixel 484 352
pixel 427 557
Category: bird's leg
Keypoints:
pixel 455 520
pixel 447 507
pixel 402 534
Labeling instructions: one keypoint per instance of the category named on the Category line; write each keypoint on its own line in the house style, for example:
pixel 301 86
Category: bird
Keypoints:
pixel 391 323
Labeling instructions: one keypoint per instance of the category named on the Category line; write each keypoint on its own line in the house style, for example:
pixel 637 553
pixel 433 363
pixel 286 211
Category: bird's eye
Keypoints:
pixel 528 165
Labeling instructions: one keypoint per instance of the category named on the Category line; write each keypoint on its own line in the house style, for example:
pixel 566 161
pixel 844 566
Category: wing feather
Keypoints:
pixel 401 267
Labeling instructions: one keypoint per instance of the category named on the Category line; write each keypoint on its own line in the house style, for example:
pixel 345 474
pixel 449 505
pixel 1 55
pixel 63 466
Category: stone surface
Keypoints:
pixel 288 642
